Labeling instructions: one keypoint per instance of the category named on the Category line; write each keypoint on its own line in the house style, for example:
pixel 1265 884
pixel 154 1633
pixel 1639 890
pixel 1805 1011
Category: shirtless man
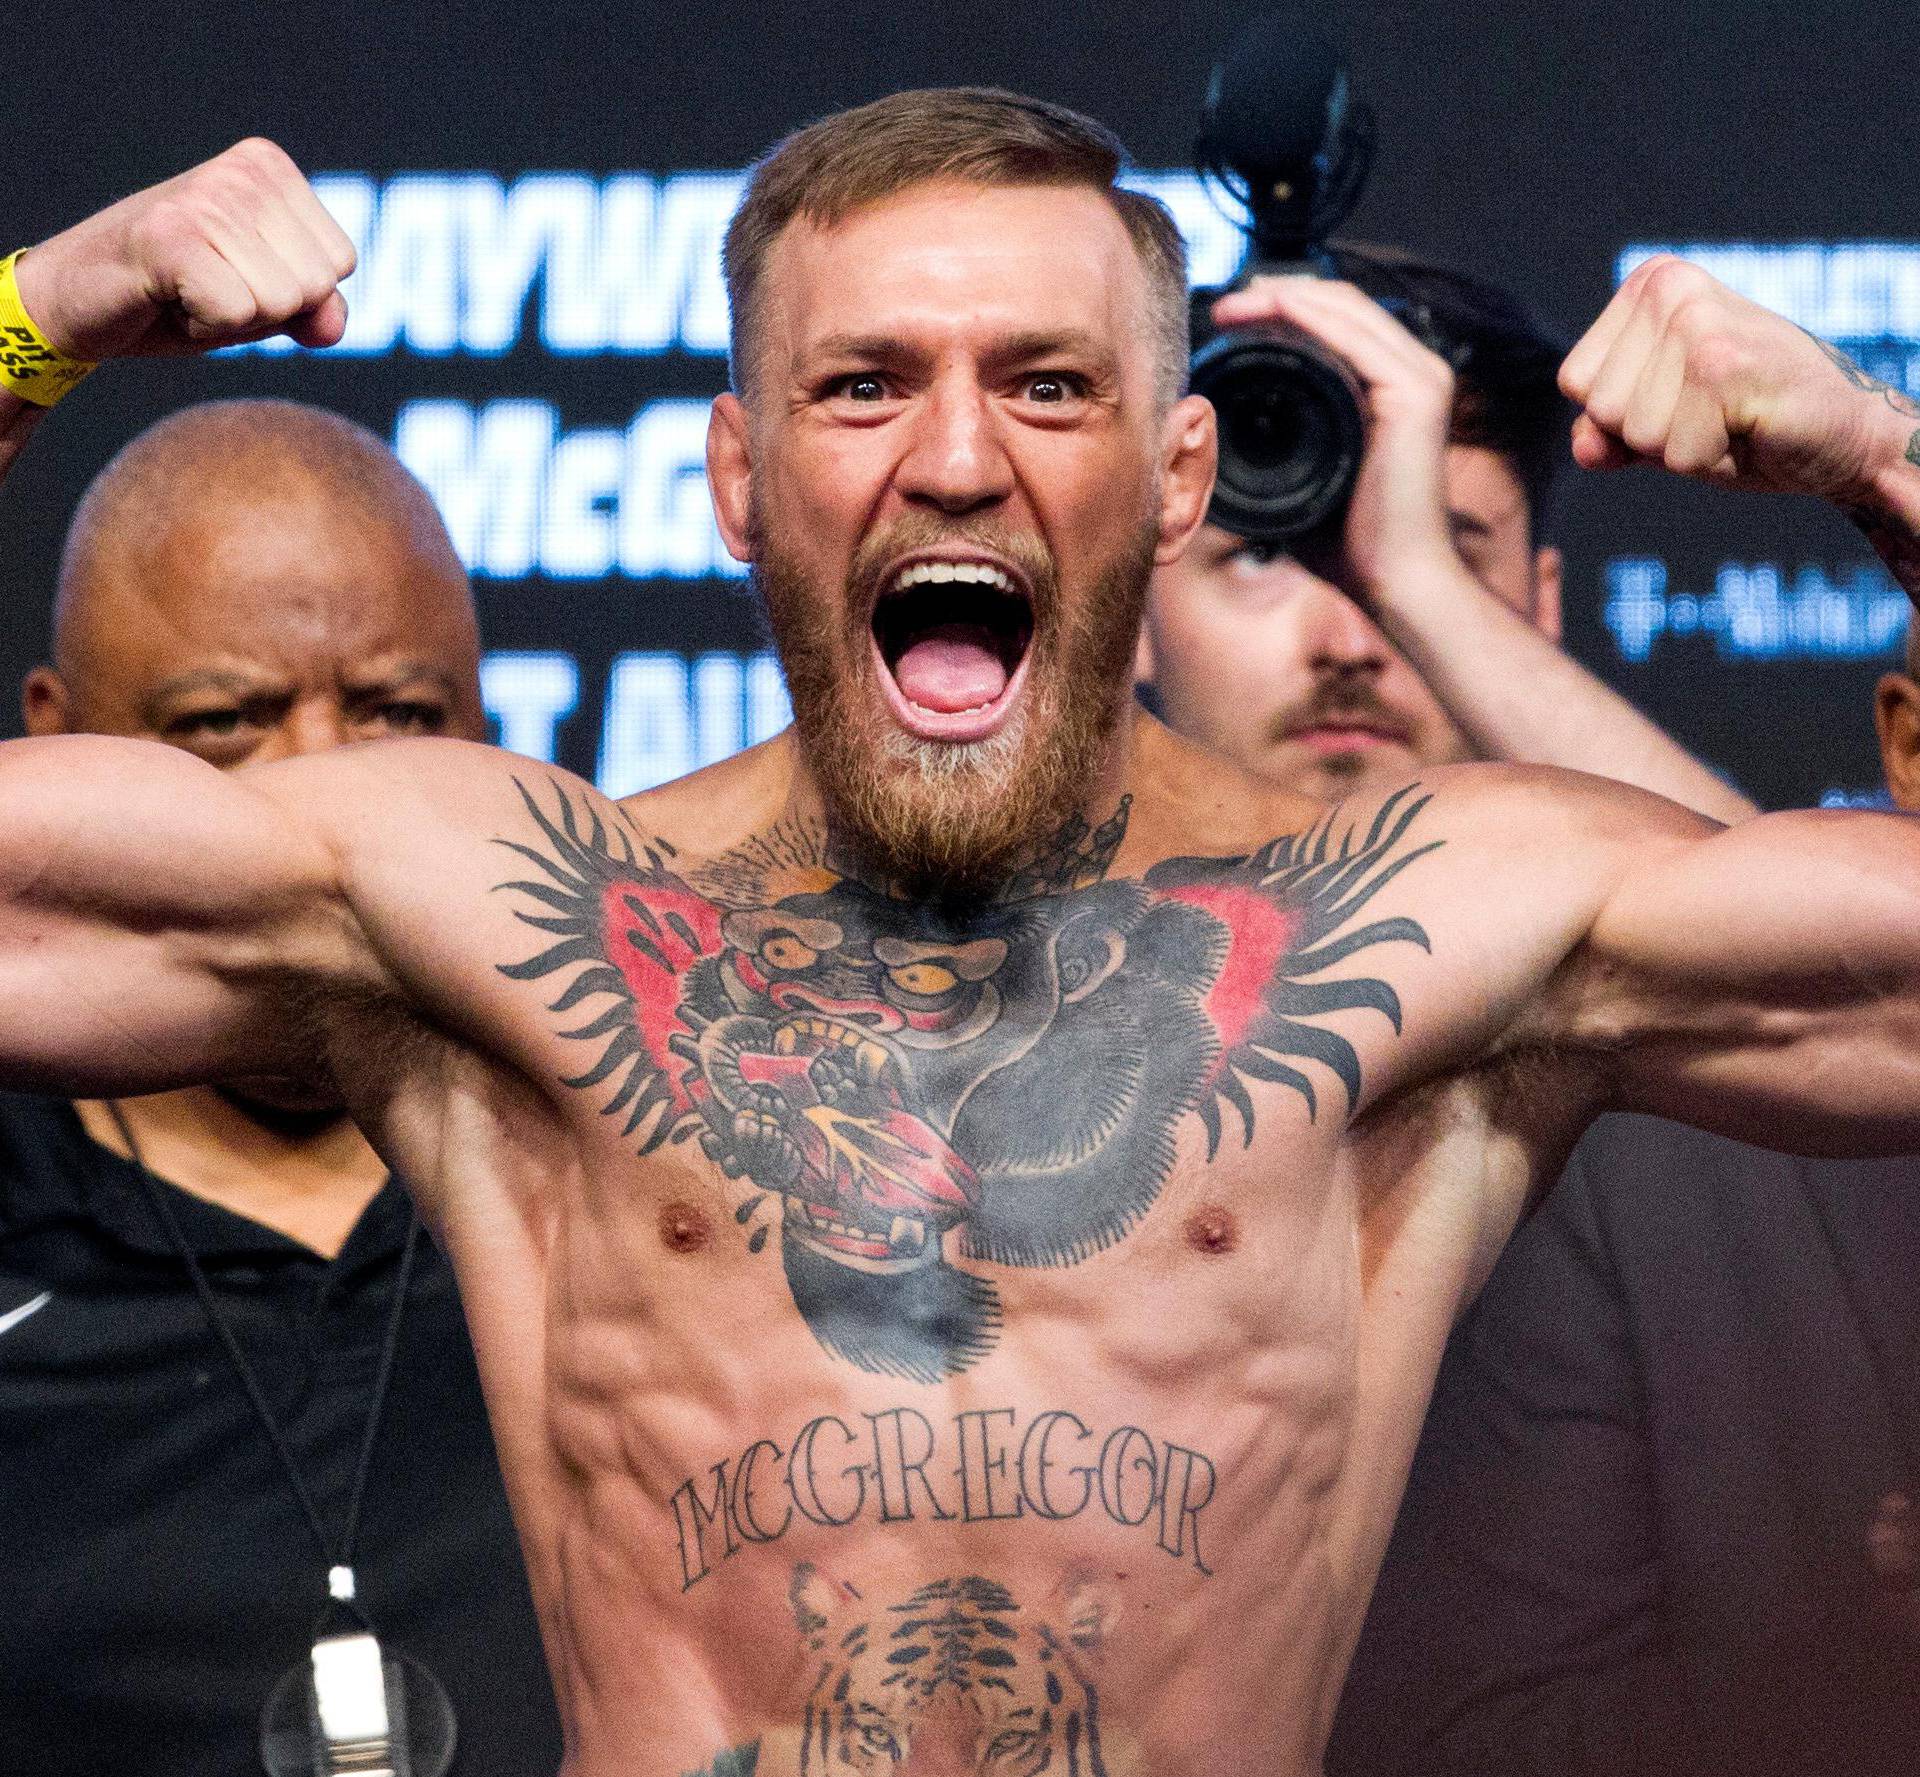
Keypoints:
pixel 959 1206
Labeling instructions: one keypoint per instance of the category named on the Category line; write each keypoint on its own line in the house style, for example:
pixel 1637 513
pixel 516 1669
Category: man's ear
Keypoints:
pixel 1190 451
pixel 46 705
pixel 1549 583
pixel 1896 718
pixel 730 473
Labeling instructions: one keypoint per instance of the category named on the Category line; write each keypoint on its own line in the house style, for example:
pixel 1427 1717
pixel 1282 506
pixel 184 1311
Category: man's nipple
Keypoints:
pixel 684 1227
pixel 1212 1232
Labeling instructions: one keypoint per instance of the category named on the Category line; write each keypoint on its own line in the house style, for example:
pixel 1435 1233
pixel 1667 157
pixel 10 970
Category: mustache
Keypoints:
pixel 1342 700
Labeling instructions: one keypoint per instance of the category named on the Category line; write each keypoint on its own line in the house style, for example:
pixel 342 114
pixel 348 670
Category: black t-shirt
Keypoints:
pixel 157 1576
pixel 1637 1536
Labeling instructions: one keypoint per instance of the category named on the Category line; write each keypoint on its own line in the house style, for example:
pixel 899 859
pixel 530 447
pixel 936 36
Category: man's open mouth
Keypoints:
pixel 952 634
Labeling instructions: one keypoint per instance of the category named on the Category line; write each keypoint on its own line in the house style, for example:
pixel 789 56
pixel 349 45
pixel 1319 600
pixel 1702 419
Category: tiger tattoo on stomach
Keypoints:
pixel 958 1678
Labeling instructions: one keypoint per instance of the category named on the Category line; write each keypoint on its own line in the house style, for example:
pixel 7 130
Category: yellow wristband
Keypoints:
pixel 31 365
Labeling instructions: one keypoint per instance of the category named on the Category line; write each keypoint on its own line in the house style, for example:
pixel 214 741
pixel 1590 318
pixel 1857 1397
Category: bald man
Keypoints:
pixel 246 581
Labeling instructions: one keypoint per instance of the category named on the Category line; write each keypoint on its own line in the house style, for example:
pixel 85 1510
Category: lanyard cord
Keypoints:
pixel 390 1345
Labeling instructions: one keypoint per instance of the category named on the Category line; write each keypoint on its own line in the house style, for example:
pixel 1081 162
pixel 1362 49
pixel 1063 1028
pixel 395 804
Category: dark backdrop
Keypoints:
pixel 1531 140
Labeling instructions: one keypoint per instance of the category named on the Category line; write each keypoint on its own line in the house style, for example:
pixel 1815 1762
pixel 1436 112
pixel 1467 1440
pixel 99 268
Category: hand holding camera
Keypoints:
pixel 1396 529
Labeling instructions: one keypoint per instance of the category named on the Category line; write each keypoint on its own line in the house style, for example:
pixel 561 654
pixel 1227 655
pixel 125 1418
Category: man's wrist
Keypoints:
pixel 1887 509
pixel 33 365
pixel 1893 491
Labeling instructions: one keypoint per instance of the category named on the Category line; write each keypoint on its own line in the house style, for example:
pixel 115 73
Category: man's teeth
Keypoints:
pixel 940 572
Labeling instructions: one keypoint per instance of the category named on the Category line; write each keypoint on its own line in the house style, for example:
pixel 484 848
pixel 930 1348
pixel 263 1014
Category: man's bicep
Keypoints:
pixel 157 918
pixel 1764 982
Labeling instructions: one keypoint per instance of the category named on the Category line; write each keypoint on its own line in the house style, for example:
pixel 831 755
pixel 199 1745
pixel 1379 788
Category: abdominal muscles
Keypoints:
pixel 1102 1553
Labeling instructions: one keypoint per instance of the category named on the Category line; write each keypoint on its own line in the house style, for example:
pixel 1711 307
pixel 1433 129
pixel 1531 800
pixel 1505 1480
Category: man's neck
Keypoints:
pixel 308 1178
pixel 1105 791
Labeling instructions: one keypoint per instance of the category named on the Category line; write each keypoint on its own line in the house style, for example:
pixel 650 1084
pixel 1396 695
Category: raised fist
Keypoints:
pixel 237 249
pixel 1681 372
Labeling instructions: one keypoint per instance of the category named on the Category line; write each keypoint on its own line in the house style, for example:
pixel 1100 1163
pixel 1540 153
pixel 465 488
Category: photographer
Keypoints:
pixel 1424 628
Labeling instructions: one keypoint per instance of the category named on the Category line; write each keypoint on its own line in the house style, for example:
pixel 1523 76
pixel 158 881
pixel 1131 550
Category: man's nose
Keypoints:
pixel 956 460
pixel 1342 637
pixel 313 725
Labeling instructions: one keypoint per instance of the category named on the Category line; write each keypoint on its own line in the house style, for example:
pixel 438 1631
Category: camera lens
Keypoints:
pixel 1291 434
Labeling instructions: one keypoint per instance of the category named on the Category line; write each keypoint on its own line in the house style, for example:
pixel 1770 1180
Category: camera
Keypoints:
pixel 1284 137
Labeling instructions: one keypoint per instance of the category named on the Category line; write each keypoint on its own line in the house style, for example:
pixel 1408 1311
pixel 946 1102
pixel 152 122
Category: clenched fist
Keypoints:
pixel 1682 372
pixel 235 250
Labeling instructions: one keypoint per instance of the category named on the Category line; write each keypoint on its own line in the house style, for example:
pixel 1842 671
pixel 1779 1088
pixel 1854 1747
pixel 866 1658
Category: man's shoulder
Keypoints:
pixel 398 778
pixel 1217 806
pixel 720 807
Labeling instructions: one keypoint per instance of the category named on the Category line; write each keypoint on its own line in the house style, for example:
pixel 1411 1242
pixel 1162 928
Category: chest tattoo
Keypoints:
pixel 905 1093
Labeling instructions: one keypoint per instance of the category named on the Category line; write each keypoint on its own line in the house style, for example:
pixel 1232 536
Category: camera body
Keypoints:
pixel 1292 431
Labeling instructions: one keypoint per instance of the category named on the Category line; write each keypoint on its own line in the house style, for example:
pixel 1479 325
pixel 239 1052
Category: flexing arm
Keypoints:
pixel 1505 682
pixel 161 922
pixel 236 249
pixel 1763 981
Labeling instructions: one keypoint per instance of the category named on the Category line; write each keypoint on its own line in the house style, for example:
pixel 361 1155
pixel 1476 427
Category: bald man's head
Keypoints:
pixel 252 579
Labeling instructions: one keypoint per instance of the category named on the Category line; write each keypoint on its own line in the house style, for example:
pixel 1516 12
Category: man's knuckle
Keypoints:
pixel 1607 409
pixel 1672 282
pixel 1641 434
pixel 258 155
pixel 1713 357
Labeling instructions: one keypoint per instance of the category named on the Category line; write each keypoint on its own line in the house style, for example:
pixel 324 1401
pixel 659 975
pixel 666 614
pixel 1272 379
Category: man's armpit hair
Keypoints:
pixel 359 1030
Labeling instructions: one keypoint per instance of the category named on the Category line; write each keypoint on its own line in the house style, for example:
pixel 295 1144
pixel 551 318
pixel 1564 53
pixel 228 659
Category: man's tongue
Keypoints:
pixel 949 668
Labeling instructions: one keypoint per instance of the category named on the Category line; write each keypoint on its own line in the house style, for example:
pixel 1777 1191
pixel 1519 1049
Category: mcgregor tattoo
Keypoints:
pixel 987 1466
pixel 958 1675
pixel 887 1075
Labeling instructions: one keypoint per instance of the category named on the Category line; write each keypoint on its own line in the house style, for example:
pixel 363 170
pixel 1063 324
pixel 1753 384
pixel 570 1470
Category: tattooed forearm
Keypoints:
pixel 987 1466
pixel 1895 539
pixel 1898 399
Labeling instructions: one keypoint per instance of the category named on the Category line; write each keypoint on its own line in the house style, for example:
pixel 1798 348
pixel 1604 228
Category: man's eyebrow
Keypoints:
pixel 401 672
pixel 1053 342
pixel 861 347
pixel 212 678
pixel 1015 348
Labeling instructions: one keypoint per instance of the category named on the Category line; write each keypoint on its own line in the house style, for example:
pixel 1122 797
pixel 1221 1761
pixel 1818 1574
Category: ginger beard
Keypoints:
pixel 952 819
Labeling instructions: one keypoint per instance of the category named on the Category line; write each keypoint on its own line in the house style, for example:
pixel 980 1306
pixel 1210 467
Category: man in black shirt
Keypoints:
pixel 247 580
pixel 1661 1522
pixel 1661 1519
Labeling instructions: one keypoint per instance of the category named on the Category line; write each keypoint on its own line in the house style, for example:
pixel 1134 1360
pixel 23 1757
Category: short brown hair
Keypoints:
pixel 977 134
